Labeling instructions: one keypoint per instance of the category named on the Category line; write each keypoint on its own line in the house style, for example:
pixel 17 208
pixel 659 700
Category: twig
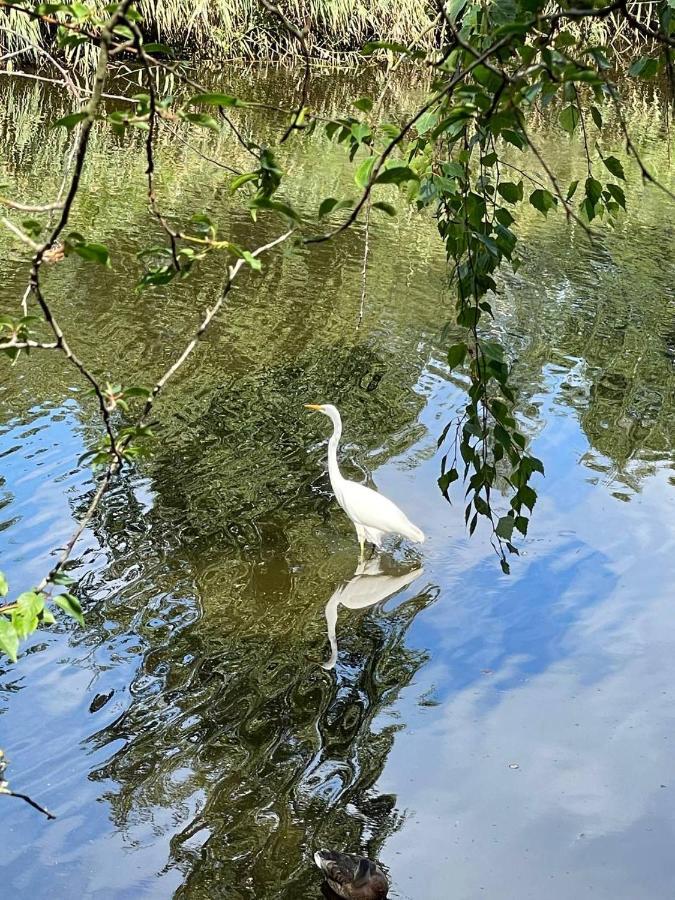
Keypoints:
pixel 28 344
pixel 149 152
pixel 68 80
pixel 556 187
pixel 91 111
pixel 215 162
pixel 300 37
pixel 29 207
pixel 364 268
pixel 30 802
pixel 22 236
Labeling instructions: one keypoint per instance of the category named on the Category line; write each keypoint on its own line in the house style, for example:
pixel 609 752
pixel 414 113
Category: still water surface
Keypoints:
pixel 235 701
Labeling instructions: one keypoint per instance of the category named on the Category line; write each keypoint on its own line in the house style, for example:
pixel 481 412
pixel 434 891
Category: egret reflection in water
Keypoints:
pixel 367 586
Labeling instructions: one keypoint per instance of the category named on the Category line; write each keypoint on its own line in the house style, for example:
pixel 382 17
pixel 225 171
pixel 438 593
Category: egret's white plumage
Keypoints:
pixel 373 514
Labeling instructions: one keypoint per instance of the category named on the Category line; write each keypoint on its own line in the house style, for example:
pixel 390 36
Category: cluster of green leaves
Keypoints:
pixel 14 331
pixel 21 617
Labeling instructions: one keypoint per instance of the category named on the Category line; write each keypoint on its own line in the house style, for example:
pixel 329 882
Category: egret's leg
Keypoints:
pixel 360 533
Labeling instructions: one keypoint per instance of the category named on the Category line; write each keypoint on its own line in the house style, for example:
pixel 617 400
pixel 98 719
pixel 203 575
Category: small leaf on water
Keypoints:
pixel 614 166
pixel 4 587
pixel 71 607
pixel 506 569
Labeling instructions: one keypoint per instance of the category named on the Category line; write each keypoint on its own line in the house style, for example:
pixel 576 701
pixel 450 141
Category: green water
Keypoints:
pixel 482 735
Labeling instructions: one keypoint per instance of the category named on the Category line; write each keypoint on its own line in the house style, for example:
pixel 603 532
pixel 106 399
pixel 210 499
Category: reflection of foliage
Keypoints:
pixel 260 754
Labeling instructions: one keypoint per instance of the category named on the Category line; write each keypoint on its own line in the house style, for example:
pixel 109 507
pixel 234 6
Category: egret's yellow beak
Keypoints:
pixel 313 406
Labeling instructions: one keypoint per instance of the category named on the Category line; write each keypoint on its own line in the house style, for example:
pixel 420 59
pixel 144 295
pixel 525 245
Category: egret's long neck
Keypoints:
pixel 333 468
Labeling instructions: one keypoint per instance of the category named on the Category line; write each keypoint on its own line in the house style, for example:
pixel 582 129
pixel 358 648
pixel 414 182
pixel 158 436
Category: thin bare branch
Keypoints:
pixel 20 234
pixel 300 36
pixel 30 207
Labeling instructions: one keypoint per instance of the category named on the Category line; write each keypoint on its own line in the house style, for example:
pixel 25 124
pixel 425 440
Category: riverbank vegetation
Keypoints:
pixel 335 30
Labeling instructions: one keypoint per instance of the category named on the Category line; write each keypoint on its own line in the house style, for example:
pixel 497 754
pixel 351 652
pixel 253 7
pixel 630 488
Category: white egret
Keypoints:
pixel 373 514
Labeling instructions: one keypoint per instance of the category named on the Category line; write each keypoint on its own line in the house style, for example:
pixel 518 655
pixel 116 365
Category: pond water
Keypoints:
pixel 483 735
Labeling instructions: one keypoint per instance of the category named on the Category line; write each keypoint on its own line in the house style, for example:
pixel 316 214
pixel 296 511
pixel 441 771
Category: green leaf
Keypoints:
pixel 618 194
pixel 385 207
pixel 327 206
pixel 513 137
pixel 593 190
pixel 365 104
pixel 572 189
pixel 511 192
pixel 4 587
pixel 596 116
pixel 154 47
pixel 542 200
pixel 504 527
pixel 61 577
pixel 362 174
pixel 588 207
pixel 645 67
pixel 446 479
pixel 9 640
pixel 203 120
pixel 71 607
pixel 506 569
pixel 456 355
pixel 25 616
pixel 521 524
pixel 93 253
pixel 70 121
pixel 614 166
pixel 276 206
pixel 372 46
pixel 569 118
pixel 241 180
pixel 252 260
pixel 217 100
pixel 396 175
